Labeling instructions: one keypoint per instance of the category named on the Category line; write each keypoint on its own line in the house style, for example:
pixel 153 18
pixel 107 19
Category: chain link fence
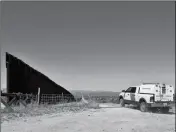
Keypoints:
pixel 60 98
pixel 55 98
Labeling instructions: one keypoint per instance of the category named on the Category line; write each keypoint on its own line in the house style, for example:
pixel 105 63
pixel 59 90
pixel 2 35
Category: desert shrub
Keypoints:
pixel 105 99
pixel 38 110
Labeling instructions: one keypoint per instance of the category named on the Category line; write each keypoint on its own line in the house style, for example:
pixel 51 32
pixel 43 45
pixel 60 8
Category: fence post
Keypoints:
pixel 38 97
pixel 62 98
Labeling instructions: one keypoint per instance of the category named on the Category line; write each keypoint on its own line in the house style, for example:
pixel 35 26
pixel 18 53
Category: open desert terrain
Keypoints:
pixel 107 118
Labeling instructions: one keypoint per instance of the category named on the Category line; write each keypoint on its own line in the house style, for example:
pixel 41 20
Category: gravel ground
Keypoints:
pixel 110 118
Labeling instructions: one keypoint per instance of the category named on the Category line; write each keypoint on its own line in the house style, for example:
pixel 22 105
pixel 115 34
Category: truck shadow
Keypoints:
pixel 158 111
pixel 153 110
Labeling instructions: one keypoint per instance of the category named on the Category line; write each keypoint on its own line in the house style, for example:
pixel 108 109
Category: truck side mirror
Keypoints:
pixel 123 90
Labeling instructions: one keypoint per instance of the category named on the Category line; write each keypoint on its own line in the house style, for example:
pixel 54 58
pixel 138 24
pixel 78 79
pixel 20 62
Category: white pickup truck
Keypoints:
pixel 148 95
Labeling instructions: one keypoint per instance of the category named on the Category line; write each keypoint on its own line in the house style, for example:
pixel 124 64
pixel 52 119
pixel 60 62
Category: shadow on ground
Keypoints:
pixel 158 111
pixel 154 110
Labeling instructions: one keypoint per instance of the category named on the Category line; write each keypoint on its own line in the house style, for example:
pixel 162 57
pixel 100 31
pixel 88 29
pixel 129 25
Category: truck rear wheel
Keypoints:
pixel 122 103
pixel 143 107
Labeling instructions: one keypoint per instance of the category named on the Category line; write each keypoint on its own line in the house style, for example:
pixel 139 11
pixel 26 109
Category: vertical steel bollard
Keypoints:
pixel 38 97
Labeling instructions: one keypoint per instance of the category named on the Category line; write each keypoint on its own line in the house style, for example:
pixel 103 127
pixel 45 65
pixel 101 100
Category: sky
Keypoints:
pixel 92 45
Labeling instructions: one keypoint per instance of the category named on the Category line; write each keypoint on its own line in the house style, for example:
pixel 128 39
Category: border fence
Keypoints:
pixel 10 99
pixel 55 98
pixel 24 99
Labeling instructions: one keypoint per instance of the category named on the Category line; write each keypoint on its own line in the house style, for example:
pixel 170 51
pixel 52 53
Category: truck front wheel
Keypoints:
pixel 122 103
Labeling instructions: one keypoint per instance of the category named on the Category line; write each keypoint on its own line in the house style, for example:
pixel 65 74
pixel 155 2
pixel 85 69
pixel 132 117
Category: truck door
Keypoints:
pixel 133 94
pixel 127 97
pixel 167 93
pixel 157 91
pixel 164 93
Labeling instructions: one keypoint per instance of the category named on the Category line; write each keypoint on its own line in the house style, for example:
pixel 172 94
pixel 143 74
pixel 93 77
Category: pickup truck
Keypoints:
pixel 148 95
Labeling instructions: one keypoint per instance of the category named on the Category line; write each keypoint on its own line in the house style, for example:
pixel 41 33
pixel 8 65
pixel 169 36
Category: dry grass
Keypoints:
pixel 38 110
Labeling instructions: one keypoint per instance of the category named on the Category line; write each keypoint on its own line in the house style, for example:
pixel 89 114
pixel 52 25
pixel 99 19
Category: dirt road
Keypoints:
pixel 95 120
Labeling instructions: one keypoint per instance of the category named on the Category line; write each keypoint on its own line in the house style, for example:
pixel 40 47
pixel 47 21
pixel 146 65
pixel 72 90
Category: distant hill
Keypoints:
pixel 79 93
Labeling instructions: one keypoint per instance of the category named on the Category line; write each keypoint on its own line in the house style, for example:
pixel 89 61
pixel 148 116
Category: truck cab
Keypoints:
pixel 148 95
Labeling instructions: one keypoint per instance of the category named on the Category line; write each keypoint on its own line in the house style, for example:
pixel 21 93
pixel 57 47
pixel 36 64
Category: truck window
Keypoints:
pixel 128 90
pixel 133 89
